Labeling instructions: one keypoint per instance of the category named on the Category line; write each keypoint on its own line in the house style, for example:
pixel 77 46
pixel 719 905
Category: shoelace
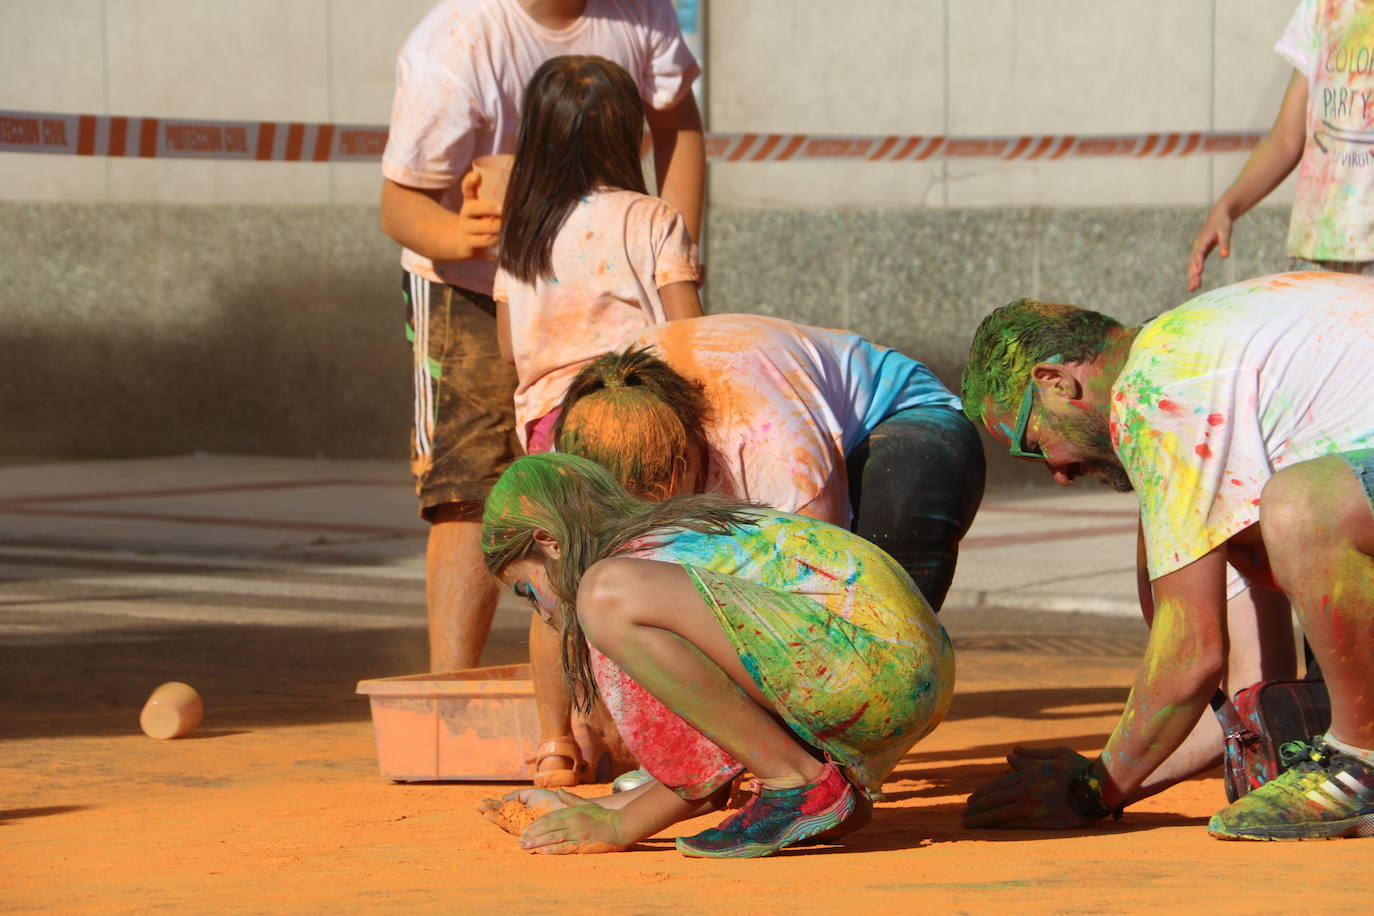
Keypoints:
pixel 1293 752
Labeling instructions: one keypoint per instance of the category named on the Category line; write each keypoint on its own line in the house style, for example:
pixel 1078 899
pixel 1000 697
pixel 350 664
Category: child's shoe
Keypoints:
pixel 775 818
pixel 1323 795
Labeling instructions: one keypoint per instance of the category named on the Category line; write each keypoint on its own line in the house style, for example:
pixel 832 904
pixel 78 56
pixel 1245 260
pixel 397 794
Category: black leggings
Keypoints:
pixel 915 484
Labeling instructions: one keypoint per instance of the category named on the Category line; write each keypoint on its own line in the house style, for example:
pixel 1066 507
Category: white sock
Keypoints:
pixel 1359 753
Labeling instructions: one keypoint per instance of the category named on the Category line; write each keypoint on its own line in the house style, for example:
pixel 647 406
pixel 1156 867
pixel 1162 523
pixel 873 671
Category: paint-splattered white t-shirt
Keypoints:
pixel 460 83
pixel 615 251
pixel 788 402
pixel 1231 386
pixel 1331 42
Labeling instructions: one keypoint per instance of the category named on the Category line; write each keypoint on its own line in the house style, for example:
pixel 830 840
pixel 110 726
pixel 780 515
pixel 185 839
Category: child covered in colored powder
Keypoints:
pixel 1325 127
pixel 768 641
pixel 587 257
pixel 806 420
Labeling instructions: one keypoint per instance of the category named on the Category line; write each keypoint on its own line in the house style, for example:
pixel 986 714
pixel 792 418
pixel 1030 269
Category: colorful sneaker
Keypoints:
pixel 775 818
pixel 1323 795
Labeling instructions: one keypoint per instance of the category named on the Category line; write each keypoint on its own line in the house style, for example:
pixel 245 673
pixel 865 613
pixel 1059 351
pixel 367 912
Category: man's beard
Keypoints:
pixel 1088 432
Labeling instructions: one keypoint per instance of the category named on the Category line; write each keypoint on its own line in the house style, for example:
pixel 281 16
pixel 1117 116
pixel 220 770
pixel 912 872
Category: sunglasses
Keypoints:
pixel 1018 435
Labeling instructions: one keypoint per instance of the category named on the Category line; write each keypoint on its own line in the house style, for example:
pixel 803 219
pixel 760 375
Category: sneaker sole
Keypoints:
pixel 800 830
pixel 1347 828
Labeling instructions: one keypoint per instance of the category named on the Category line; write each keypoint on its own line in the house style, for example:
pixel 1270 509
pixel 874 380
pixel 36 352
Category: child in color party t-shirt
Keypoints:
pixel 1325 127
pixel 587 257
pixel 768 641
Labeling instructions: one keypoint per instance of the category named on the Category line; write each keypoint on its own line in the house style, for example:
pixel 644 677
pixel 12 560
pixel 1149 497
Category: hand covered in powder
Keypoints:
pixel 516 810
pixel 1034 796
pixel 555 822
pixel 580 826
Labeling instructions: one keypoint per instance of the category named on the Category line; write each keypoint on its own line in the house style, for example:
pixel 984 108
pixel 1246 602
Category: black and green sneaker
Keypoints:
pixel 1323 795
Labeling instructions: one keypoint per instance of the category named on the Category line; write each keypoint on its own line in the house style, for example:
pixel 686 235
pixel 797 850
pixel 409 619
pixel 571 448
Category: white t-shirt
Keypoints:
pixel 460 82
pixel 614 252
pixel 1228 388
pixel 1332 44
pixel 789 402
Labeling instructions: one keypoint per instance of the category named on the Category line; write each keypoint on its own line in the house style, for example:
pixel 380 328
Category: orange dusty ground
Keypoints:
pixel 271 810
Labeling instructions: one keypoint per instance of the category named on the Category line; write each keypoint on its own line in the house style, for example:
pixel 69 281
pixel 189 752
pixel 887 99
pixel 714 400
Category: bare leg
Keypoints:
pixel 649 619
pixel 551 698
pixel 1319 533
pixel 460 593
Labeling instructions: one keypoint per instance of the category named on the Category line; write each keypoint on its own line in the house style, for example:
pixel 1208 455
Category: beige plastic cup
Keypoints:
pixel 495 173
pixel 172 711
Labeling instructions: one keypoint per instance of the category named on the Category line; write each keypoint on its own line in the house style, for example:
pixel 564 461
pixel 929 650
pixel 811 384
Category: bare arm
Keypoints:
pixel 680 300
pixel 1182 667
pixel 1267 166
pixel 414 218
pixel 680 159
pixel 503 331
pixel 1260 639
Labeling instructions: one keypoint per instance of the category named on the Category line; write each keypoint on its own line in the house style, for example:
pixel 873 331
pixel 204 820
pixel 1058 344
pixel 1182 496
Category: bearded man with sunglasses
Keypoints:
pixel 1244 421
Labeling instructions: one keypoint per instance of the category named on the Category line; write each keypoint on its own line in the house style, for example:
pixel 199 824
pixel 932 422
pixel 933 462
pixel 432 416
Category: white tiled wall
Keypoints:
pixel 964 67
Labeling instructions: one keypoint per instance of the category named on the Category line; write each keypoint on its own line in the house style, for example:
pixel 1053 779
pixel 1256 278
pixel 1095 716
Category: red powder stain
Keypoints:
pixel 1236 482
pixel 818 571
pixel 1215 419
pixel 1254 502
pixel 1169 406
pixel 839 728
pixel 1203 451
pixel 1120 396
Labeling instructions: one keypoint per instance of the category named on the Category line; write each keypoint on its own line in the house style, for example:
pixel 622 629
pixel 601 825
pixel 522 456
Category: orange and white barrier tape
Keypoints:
pixel 179 138
pixel 295 141
pixel 791 147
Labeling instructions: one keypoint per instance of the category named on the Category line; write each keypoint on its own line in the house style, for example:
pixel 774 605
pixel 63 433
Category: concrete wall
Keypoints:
pixel 991 67
pixel 166 306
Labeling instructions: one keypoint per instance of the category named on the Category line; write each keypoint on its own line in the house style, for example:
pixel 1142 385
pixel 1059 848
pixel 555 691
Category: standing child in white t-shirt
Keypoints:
pixel 1325 128
pixel 587 257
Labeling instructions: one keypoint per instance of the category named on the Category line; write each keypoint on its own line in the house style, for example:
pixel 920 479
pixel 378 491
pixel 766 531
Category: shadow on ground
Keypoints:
pixel 95 682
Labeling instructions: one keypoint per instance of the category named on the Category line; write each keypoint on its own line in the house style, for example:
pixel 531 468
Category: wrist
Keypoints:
pixel 1088 792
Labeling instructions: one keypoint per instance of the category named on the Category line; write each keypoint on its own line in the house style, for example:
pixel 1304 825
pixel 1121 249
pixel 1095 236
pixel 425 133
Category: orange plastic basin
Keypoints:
pixel 477 724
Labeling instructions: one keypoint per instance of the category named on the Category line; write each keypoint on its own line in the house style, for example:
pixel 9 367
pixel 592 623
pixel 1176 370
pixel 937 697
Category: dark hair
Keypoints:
pixel 635 415
pixel 581 127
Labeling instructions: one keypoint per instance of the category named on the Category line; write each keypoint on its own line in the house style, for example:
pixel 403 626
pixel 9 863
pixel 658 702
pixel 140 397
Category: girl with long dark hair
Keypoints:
pixel 586 256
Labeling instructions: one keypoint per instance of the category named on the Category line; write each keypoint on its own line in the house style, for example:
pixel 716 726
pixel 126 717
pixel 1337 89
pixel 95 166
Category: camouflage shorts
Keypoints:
pixel 464 416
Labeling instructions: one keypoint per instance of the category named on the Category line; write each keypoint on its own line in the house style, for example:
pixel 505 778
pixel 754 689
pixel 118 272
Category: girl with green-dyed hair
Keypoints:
pixel 721 636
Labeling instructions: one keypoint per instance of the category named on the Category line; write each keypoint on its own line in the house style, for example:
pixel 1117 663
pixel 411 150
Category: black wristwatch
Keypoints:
pixel 1085 797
